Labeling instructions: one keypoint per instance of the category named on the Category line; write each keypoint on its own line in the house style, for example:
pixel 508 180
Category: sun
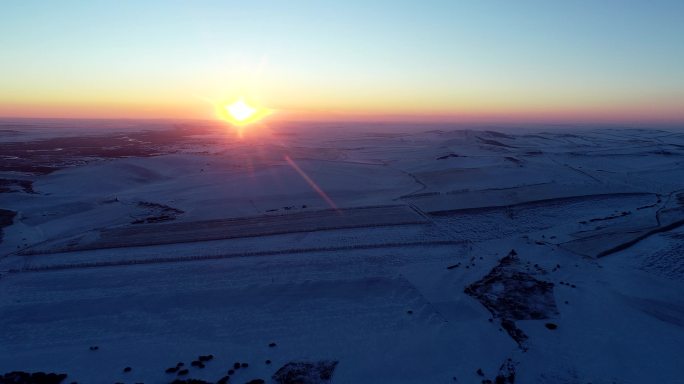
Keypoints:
pixel 240 113
pixel 240 110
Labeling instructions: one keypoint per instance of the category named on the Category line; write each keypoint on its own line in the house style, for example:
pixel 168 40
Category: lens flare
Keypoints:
pixel 312 184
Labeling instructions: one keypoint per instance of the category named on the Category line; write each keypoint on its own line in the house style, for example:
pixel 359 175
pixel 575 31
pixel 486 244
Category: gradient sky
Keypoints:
pixel 580 60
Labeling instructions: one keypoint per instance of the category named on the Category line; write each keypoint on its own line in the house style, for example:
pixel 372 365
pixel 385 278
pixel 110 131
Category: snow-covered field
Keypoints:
pixel 405 254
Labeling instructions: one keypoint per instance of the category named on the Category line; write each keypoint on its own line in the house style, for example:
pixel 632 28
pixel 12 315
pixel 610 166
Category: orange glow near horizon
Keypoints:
pixel 240 112
pixel 615 115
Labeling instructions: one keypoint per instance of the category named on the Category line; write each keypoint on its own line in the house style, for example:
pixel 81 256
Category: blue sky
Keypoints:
pixel 470 58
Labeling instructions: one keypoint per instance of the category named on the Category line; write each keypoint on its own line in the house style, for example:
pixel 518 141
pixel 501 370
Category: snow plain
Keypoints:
pixel 352 245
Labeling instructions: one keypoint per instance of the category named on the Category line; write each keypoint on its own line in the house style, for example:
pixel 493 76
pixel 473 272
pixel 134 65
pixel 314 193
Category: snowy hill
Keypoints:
pixel 343 256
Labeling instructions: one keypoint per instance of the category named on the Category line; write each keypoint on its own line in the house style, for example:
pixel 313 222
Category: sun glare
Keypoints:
pixel 240 113
pixel 240 110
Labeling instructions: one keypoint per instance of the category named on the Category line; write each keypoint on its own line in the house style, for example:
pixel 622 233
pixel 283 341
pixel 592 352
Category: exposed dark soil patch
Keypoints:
pixel 18 377
pixel 157 213
pixel 449 156
pixel 510 294
pixel 513 160
pixel 650 205
pixel 500 135
pixel 301 372
pixel 506 373
pixel 9 132
pixel 14 185
pixel 48 155
pixel 6 219
pixel 680 198
pixel 611 217
pixel 190 381
pixel 494 143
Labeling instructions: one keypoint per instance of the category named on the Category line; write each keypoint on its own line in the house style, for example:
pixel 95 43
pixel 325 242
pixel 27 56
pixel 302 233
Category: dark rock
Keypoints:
pixel 551 326
pixel 268 362
pixel 172 370
pixel 301 372
pixel 183 372
pixel 205 357
pixel 256 381
pixel 479 372
pixel 127 369
pixel 272 345
pixel 244 365
pixel 223 380
pixel 236 365
pixel 94 348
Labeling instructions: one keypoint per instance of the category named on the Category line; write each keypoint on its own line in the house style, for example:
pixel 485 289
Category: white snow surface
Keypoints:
pixel 334 244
